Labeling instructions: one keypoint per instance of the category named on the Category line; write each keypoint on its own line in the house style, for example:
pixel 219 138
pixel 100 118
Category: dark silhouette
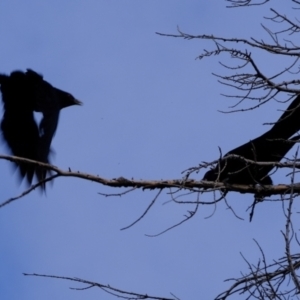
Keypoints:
pixel 272 146
pixel 22 94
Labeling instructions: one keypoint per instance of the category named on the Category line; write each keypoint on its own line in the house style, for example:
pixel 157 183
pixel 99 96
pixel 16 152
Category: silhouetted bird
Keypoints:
pixel 272 146
pixel 22 94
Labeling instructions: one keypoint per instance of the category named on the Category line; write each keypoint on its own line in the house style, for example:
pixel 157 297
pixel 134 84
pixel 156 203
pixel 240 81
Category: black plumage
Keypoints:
pixel 272 146
pixel 24 93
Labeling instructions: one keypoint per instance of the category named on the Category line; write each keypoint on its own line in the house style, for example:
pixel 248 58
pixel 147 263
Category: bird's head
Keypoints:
pixel 211 175
pixel 66 99
pixel 47 96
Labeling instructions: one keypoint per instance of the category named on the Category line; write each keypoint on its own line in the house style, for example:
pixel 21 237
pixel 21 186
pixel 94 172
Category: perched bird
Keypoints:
pixel 24 93
pixel 261 149
pixel 272 146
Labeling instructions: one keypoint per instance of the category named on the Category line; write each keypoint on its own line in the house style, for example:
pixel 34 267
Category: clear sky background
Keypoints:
pixel 150 111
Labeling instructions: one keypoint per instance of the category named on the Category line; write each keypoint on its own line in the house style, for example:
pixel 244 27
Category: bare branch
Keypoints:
pixel 104 287
pixel 270 281
pixel 248 77
pixel 243 3
pixel 186 218
pixel 180 184
pixel 271 48
pixel 145 212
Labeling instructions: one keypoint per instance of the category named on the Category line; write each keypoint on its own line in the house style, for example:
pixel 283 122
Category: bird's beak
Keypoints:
pixel 77 102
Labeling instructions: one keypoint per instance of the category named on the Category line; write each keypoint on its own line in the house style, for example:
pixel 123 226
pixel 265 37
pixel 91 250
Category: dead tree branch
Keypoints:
pixel 181 184
pixel 242 3
pixel 249 76
pixel 104 287
pixel 272 281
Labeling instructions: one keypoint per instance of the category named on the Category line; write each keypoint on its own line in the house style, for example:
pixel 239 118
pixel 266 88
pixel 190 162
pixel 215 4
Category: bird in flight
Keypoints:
pixel 24 93
pixel 272 146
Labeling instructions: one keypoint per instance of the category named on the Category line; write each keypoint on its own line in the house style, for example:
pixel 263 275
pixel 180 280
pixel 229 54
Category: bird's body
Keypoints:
pixel 24 93
pixel 272 146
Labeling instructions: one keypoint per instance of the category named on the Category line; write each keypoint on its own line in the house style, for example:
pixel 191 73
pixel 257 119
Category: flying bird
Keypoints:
pixel 24 93
pixel 272 146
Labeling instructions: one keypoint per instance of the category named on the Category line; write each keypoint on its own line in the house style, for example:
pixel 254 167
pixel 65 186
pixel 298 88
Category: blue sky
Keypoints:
pixel 150 111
